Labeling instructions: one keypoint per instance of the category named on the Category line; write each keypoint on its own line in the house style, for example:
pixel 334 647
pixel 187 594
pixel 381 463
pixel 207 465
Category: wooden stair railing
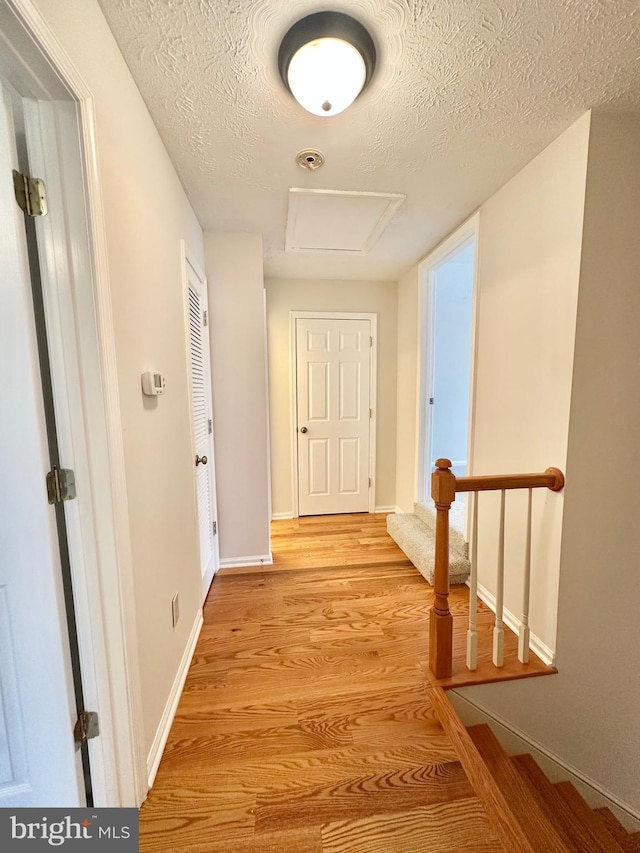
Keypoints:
pixel 444 487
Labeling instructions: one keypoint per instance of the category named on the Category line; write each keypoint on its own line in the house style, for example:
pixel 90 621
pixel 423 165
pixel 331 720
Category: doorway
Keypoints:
pixel 333 412
pixel 38 668
pixel 72 556
pixel 448 319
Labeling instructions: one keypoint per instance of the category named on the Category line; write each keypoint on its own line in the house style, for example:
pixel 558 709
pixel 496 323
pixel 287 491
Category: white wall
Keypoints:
pixel 589 713
pixel 408 392
pixel 285 295
pixel 529 262
pixel 240 405
pixel 146 215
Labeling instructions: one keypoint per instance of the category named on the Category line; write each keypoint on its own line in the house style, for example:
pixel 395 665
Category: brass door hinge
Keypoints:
pixel 31 194
pixel 86 728
pixel 61 485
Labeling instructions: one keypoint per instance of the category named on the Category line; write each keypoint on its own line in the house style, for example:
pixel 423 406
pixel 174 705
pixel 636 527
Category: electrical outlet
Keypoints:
pixel 175 609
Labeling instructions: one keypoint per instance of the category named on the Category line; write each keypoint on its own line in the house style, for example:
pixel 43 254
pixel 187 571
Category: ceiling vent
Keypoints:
pixel 338 221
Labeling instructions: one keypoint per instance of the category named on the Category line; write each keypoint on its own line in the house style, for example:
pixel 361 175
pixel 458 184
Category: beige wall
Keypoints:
pixel 529 246
pixel 146 216
pixel 285 295
pixel 529 262
pixel 408 391
pixel 557 384
pixel 240 413
pixel 588 714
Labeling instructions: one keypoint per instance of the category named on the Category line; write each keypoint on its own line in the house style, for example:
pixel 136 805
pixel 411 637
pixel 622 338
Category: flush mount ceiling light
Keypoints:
pixel 325 61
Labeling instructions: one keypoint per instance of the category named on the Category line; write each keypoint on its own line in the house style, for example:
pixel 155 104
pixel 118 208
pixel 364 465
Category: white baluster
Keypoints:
pixel 523 633
pixel 498 631
pixel 472 633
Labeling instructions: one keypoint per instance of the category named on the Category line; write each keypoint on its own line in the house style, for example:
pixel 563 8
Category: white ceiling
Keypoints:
pixel 465 94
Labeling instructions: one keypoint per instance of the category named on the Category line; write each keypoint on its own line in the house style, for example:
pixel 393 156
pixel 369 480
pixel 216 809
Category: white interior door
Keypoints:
pixel 202 424
pixel 451 284
pixel 38 762
pixel 333 370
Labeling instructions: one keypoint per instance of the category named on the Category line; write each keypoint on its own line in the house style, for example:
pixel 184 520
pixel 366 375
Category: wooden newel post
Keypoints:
pixel 443 492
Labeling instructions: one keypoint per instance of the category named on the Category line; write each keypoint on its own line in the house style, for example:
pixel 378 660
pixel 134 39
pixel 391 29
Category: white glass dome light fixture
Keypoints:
pixel 326 60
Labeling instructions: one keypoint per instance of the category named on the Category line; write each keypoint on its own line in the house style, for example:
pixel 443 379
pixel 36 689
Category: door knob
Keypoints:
pixel 303 429
pixel 201 460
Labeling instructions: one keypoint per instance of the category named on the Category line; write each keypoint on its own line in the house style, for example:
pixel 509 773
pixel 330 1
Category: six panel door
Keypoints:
pixel 333 367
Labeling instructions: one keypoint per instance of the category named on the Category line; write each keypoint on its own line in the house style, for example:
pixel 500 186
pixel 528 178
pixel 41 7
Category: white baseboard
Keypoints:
pixel 386 509
pixel 160 740
pixel 259 560
pixel 515 741
pixel 536 645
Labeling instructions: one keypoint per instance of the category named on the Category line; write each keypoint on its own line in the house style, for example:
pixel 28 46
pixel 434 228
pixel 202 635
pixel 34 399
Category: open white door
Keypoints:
pixel 39 765
pixel 200 365
pixel 451 332
pixel 333 369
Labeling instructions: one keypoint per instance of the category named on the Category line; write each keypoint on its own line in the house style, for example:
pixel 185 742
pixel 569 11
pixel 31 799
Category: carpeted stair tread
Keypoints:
pixel 417 540
pixel 541 833
pixel 590 825
pixel 627 841
pixel 427 513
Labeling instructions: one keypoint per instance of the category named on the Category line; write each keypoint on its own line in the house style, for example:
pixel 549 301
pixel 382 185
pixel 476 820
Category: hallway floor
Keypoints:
pixel 306 723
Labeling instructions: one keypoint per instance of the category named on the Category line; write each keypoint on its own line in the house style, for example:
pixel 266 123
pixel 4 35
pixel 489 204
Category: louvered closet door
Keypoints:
pixel 202 426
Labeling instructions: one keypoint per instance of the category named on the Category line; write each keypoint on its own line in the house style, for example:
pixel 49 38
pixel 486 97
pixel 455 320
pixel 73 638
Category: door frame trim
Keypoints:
pixel 107 624
pixel 469 230
pixel 293 394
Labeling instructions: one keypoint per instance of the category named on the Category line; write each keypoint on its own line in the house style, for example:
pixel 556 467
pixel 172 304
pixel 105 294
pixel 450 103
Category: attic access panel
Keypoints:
pixel 338 221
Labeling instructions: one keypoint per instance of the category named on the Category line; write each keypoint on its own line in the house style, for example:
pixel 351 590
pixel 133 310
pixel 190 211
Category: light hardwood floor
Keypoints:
pixel 306 723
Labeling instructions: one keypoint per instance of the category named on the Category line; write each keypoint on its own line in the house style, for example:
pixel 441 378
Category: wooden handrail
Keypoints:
pixel 553 479
pixel 444 486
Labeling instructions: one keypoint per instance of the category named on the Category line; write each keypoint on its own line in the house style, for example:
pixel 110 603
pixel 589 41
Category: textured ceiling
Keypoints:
pixel 466 93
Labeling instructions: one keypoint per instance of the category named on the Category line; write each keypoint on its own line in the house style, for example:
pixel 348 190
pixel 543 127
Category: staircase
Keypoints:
pixel 524 811
pixel 527 812
pixel 553 817
pixel 415 533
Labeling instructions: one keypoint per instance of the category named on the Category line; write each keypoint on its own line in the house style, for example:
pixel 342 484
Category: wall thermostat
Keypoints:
pixel 152 383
